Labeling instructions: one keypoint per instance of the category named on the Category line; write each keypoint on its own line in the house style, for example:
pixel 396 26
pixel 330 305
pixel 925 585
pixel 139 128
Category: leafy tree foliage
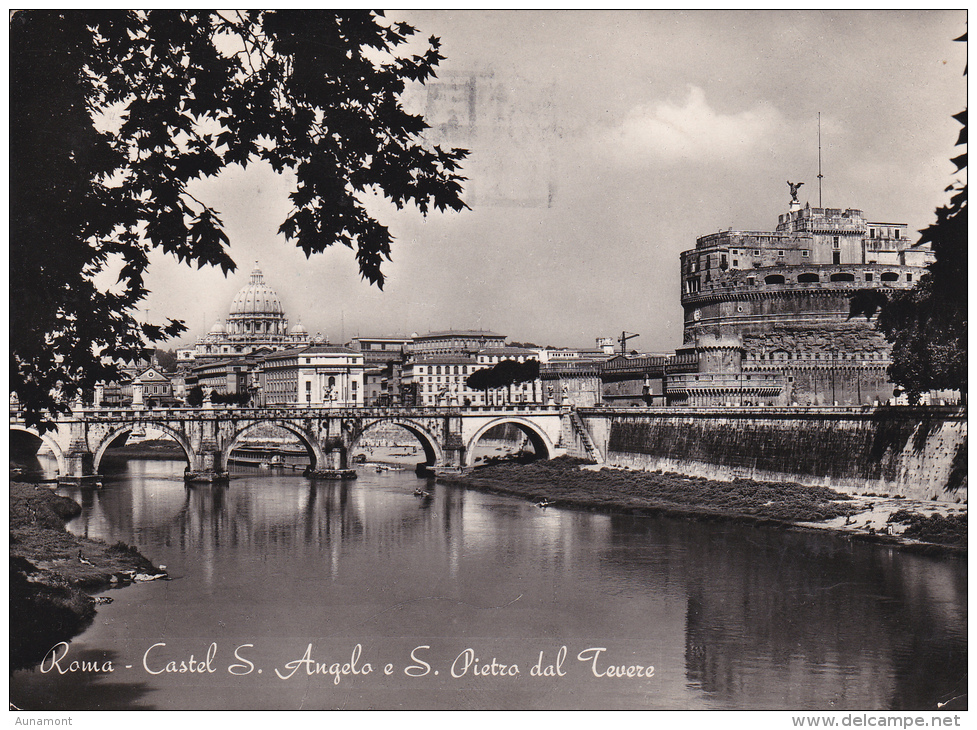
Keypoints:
pixel 232 399
pixel 927 325
pixel 166 359
pixel 114 114
pixel 195 397
pixel 503 374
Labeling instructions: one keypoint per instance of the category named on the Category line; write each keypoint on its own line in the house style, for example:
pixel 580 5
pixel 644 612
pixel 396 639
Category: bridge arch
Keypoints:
pixel 177 436
pixel 433 453
pixel 542 444
pixel 316 455
pixel 47 441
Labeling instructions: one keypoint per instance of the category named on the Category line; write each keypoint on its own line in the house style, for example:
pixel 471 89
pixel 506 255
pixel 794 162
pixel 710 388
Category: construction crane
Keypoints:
pixel 625 336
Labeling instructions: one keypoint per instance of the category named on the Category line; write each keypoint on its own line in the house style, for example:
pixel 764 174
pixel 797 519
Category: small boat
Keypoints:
pixel 421 493
pixel 543 504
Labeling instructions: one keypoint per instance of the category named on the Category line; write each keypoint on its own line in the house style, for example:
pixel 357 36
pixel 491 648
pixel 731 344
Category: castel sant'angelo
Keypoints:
pixel 767 312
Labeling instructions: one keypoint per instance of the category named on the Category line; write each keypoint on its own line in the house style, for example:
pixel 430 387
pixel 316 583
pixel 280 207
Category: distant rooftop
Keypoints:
pixel 459 333
pixel 396 338
pixel 445 359
pixel 508 350
pixel 329 349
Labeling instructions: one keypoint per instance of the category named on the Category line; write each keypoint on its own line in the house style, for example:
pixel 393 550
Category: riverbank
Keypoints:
pixel 53 573
pixel 565 482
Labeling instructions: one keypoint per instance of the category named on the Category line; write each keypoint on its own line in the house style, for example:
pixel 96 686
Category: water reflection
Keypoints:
pixel 767 610
pixel 731 616
pixel 48 690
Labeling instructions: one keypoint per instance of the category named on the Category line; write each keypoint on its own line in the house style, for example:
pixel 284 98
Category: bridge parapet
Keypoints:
pixel 176 414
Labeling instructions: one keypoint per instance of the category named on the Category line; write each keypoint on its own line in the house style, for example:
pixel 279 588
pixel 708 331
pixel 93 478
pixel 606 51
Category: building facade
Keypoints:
pixel 225 377
pixel 321 376
pixel 439 380
pixel 527 392
pixel 152 388
pixel 383 358
pixel 453 343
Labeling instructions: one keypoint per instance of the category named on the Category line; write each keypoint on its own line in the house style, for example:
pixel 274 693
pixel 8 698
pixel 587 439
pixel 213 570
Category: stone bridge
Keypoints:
pixel 448 435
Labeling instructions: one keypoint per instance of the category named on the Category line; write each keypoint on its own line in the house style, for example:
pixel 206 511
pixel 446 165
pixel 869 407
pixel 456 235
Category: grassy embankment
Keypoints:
pixel 53 571
pixel 562 483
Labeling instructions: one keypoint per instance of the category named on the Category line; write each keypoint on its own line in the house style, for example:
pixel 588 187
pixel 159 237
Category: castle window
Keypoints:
pixel 736 262
pixel 808 278
pixel 780 253
pixel 756 252
pixel 868 276
pixel 890 276
pixel 750 280
pixel 871 233
pixel 836 242
pixel 909 277
pixel 842 277
pixel 774 279
pixel 896 232
pixel 805 253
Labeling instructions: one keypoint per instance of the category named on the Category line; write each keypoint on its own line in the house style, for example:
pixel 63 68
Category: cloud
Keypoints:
pixel 693 132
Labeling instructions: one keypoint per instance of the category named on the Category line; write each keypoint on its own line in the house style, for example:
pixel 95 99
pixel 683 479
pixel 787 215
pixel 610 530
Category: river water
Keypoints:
pixel 469 600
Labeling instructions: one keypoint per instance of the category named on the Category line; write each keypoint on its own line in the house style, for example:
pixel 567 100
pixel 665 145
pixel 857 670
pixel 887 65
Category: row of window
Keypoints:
pixel 282 386
pixel 756 252
pixel 476 399
pixel 383 346
pixel 436 387
pixel 771 356
pixel 436 370
pixel 693 285
pixel 812 278
pixel 707 264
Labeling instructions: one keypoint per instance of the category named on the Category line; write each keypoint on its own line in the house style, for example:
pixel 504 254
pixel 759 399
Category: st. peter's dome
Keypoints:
pixel 256 298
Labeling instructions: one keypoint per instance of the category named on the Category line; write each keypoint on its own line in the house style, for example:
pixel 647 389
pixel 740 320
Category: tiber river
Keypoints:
pixel 286 594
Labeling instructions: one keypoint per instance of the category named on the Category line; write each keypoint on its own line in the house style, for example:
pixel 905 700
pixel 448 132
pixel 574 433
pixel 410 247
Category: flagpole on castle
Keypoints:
pixel 820 205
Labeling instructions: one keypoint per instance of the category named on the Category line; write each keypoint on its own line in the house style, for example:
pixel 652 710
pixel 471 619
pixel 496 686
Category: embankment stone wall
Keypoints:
pixel 920 453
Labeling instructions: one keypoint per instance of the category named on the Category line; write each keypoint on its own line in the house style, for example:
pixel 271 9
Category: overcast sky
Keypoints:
pixel 602 144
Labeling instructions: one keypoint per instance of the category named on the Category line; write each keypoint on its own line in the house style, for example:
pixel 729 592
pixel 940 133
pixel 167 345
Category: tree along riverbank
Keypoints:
pixel 53 573
pixel 573 483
